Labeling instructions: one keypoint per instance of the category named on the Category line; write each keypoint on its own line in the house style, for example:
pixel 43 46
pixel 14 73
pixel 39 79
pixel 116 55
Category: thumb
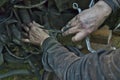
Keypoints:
pixel 79 36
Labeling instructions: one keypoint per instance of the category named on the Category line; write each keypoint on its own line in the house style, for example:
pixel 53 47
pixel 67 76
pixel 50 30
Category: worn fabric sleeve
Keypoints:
pixel 114 4
pixel 67 66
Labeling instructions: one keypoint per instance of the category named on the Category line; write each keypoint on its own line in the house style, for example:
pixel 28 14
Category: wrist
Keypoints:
pixel 42 41
pixel 104 7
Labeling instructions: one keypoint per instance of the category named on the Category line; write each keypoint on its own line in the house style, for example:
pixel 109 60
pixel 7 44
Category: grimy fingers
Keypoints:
pixel 79 36
pixel 72 30
pixel 25 35
pixel 25 28
pixel 74 22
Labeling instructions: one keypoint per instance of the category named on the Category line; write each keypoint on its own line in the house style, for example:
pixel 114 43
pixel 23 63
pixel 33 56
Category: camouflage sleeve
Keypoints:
pixel 104 65
pixel 114 4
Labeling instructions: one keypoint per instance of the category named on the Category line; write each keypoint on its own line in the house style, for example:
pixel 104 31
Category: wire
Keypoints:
pixel 31 6
pixel 4 20
pixel 15 72
pixel 20 58
pixel 91 3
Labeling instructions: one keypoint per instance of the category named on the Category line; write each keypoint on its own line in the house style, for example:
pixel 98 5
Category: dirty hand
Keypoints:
pixel 34 34
pixel 88 21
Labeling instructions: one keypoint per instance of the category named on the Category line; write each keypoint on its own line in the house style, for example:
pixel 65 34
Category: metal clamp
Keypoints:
pixel 75 6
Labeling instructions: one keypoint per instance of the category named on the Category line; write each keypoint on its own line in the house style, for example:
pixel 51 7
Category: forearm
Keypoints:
pixel 57 58
pixel 110 66
pixel 67 66
pixel 104 7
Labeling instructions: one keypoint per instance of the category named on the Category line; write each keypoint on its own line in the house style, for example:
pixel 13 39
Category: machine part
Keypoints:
pixel 75 6
pixel 91 3
pixel 118 26
pixel 87 39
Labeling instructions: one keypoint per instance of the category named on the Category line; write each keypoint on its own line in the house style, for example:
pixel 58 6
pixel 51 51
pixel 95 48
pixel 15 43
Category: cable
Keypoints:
pixel 20 58
pixel 4 20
